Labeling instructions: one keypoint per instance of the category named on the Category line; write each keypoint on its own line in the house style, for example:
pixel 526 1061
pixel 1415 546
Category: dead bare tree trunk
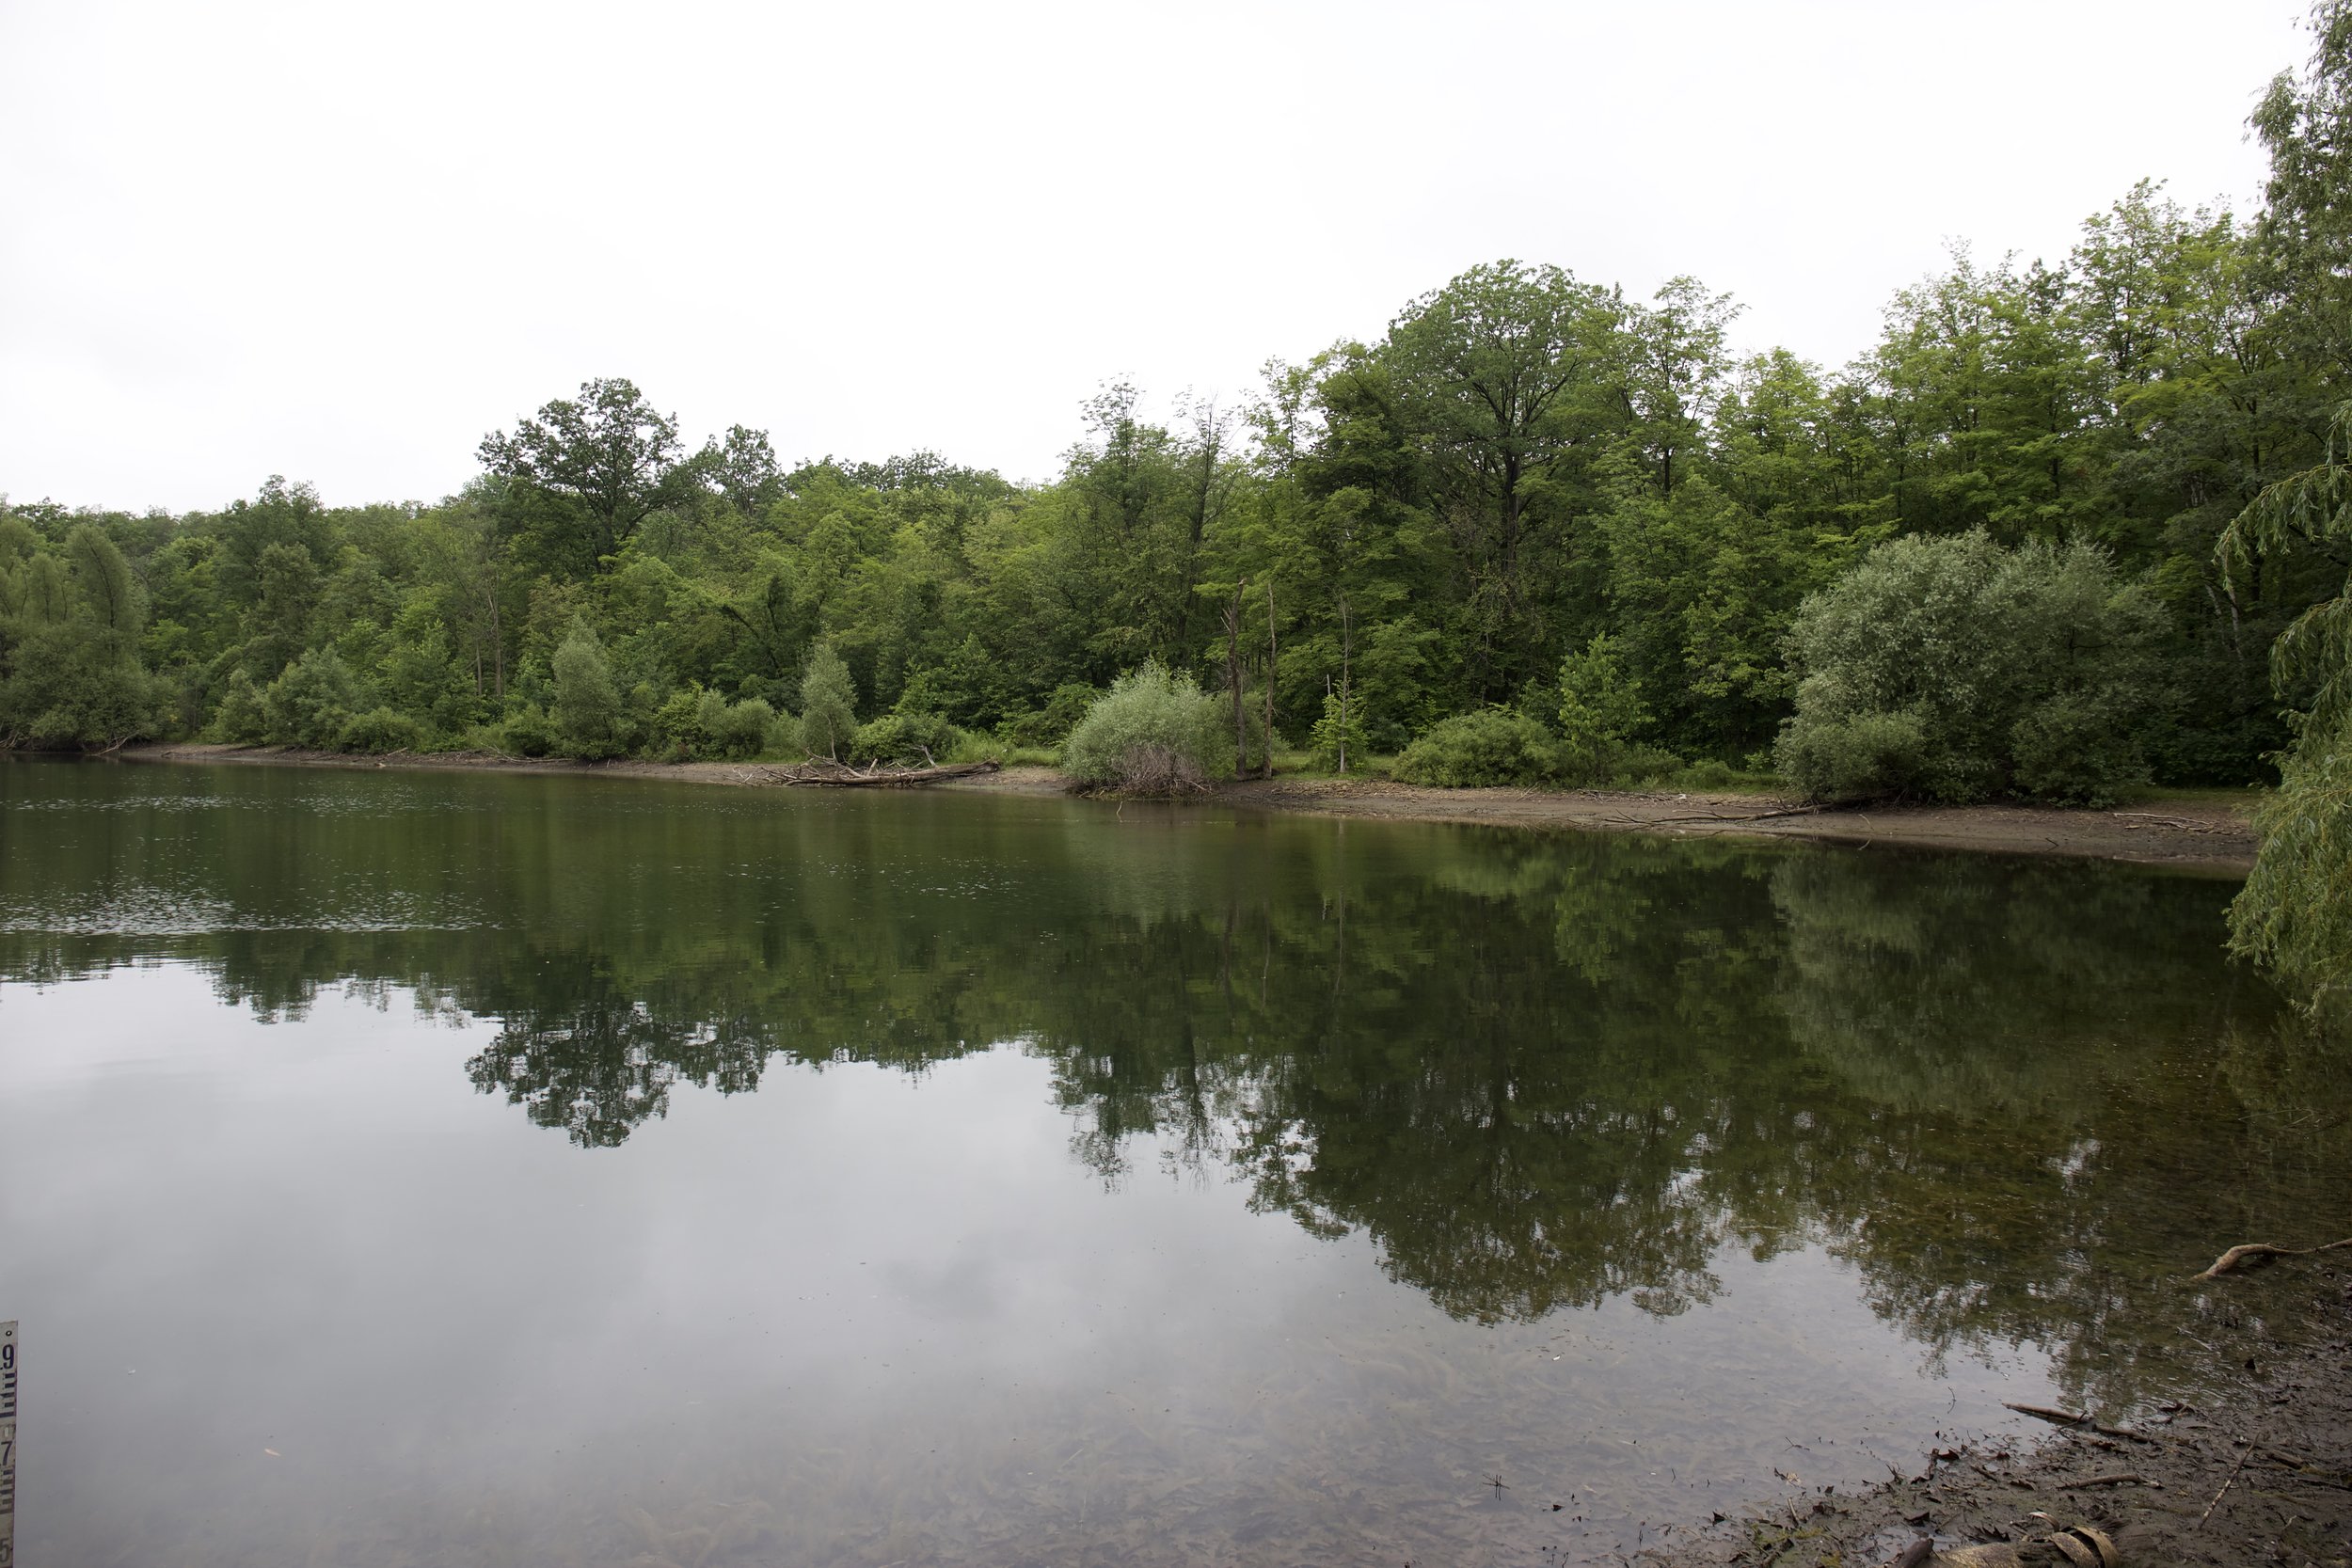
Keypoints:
pixel 1345 636
pixel 1270 651
pixel 1208 502
pixel 498 653
pixel 1232 678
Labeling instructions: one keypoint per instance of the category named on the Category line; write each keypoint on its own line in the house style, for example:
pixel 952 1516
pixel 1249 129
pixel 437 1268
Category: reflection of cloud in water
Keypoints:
pixel 856 1317
pixel 1533 1073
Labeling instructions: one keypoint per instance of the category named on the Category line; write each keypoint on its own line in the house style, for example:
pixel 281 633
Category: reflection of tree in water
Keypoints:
pixel 1518 1132
pixel 1553 1073
pixel 1537 1072
pixel 2040 1054
pixel 598 1062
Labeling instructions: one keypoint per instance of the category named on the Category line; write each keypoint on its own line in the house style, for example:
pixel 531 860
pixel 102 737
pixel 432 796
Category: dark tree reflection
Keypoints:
pixel 1538 1072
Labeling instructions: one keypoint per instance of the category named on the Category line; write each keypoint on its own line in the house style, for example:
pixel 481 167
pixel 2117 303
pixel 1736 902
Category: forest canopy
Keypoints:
pixel 1536 517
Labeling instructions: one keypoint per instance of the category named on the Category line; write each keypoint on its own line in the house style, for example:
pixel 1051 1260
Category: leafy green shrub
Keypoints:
pixel 904 740
pixel 2069 750
pixel 693 722
pixel 528 733
pixel 1338 740
pixel 1955 670
pixel 1707 773
pixel 310 703
pixel 1493 746
pixel 1600 711
pixel 239 720
pixel 1153 733
pixel 734 730
pixel 1640 766
pixel 380 730
pixel 783 738
pixel 1050 726
pixel 974 745
pixel 1863 757
pixel 675 728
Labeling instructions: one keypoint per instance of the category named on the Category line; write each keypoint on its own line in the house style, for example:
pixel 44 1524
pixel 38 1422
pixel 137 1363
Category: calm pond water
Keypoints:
pixel 446 1169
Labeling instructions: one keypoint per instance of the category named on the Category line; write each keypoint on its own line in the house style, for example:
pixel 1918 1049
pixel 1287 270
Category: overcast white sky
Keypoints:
pixel 340 242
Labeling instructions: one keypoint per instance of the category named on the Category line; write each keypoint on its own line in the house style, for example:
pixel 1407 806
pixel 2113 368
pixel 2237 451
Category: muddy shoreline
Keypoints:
pixel 2256 1467
pixel 2210 835
pixel 2203 834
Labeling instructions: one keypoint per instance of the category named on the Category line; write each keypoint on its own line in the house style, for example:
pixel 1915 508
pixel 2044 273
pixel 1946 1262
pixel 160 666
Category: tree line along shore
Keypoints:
pixel 2070 526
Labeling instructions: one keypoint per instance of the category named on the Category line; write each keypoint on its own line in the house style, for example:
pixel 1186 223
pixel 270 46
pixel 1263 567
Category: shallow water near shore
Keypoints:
pixel 449 1168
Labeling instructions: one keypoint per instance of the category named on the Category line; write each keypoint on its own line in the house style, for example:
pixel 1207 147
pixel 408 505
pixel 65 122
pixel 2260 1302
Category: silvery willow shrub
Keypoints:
pixel 587 703
pixel 828 702
pixel 1955 670
pixel 1153 733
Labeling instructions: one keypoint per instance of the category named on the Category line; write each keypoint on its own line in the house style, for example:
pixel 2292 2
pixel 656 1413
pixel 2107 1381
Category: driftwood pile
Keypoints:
pixel 822 774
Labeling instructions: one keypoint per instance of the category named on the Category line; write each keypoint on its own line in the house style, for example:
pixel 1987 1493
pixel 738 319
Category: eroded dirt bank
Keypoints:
pixel 2208 835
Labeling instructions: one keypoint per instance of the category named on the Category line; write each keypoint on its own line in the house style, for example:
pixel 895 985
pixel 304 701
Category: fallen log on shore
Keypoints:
pixel 837 775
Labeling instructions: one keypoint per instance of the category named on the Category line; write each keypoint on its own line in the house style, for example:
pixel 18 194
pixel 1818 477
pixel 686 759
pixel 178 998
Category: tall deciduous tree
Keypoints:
pixel 2305 232
pixel 1497 377
pixel 588 470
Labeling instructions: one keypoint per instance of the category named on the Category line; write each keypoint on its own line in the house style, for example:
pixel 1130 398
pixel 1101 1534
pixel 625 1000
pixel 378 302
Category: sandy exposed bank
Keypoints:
pixel 2209 834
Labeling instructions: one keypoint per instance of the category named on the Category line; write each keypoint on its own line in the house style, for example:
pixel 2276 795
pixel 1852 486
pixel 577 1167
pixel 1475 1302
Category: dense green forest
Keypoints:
pixel 1540 528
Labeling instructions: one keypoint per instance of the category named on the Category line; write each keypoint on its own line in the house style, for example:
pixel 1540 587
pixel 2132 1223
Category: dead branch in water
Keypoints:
pixel 2252 1255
